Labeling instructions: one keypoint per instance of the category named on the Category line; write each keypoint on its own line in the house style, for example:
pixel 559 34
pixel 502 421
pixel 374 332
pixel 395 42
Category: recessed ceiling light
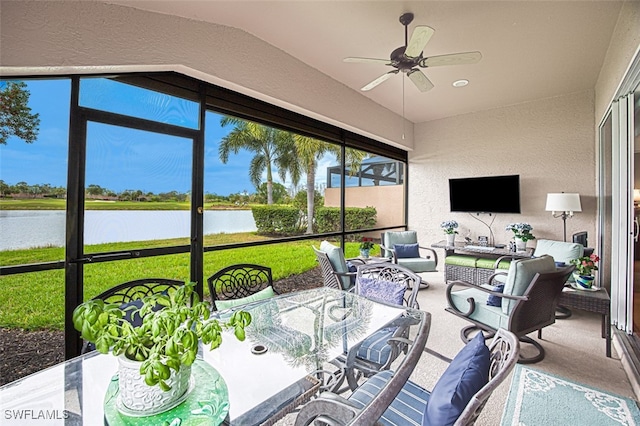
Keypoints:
pixel 460 83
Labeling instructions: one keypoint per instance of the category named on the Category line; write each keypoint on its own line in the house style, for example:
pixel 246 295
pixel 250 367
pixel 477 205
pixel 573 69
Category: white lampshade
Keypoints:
pixel 563 202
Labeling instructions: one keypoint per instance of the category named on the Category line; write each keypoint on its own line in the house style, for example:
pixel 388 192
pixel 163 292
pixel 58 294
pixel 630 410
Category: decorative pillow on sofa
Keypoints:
pixel 466 375
pixel 381 290
pixel 406 251
pixel 494 300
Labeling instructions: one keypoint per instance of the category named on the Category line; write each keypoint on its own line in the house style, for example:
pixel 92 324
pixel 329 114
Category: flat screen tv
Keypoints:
pixel 490 194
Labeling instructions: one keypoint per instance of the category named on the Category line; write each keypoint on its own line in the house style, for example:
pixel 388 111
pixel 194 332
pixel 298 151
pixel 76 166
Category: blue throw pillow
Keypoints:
pixel 493 300
pixel 466 375
pixel 381 290
pixel 405 251
pixel 352 268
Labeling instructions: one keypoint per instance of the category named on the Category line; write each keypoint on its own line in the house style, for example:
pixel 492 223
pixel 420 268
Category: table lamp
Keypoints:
pixel 563 205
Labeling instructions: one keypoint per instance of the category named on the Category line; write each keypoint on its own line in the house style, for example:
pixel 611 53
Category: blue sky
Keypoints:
pixel 117 158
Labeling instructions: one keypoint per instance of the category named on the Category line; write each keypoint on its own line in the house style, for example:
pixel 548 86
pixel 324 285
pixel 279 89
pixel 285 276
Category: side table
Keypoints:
pixel 592 301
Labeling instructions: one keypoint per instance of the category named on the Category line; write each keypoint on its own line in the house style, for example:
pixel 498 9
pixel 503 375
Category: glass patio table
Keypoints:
pixel 290 338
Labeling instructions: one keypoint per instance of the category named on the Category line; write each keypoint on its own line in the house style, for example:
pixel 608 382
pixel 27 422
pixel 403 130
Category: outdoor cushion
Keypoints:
pixel 492 316
pixel 521 272
pixel 381 290
pixel 375 347
pixel 490 264
pixel 404 251
pixel 418 264
pixel 406 409
pixel 466 375
pixel 352 268
pixel 232 303
pixel 338 262
pixel 398 237
pixel 461 260
pixel 560 251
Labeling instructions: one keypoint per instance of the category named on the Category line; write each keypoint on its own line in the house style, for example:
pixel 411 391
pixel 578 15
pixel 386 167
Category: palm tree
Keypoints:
pixel 271 147
pixel 309 151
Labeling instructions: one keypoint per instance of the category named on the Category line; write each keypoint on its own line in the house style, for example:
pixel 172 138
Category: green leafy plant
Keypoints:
pixel 366 244
pixel 449 226
pixel 585 265
pixel 521 230
pixel 172 325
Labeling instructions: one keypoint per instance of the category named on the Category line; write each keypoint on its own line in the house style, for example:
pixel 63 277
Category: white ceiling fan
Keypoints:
pixel 409 59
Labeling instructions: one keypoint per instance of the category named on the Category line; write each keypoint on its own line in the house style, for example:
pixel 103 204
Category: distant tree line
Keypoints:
pixel 280 194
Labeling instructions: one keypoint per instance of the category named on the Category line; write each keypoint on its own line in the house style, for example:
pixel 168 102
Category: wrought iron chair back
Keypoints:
pixel 238 281
pixel 133 290
pixel 393 273
pixel 137 289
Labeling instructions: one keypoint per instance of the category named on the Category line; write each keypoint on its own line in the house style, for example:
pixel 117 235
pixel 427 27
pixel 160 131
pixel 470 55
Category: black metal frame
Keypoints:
pixel 211 98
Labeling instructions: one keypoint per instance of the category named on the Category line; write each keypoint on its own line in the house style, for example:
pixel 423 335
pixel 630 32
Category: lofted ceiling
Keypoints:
pixel 530 49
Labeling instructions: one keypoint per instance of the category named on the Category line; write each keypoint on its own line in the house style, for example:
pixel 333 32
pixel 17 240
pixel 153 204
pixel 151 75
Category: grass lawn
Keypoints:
pixel 36 300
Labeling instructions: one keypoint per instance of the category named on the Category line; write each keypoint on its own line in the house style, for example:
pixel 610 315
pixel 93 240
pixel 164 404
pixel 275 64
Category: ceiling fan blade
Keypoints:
pixel 383 77
pixel 368 60
pixel 451 59
pixel 420 80
pixel 419 39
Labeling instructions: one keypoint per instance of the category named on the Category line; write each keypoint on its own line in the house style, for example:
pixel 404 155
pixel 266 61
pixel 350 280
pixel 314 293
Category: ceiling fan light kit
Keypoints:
pixel 409 58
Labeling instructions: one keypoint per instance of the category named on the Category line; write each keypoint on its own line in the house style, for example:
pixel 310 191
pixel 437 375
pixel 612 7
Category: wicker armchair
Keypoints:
pixel 390 248
pixel 132 291
pixel 238 284
pixel 335 271
pixel 527 303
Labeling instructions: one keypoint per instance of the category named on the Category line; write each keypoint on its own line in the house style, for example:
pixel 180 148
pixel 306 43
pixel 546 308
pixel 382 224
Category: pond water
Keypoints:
pixel 21 229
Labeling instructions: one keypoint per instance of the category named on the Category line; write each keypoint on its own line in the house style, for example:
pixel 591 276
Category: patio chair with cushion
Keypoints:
pixel 563 253
pixel 527 302
pixel 388 283
pixel 402 248
pixel 389 398
pixel 130 293
pixel 336 272
pixel 240 284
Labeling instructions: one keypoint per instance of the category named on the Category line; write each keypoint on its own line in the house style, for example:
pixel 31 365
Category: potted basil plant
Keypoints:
pixel 156 341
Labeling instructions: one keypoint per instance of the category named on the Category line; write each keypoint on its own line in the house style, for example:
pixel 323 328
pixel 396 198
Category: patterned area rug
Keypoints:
pixel 538 398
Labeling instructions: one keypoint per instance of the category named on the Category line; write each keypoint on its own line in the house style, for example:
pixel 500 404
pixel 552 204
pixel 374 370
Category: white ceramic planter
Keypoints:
pixel 135 397
pixel 451 239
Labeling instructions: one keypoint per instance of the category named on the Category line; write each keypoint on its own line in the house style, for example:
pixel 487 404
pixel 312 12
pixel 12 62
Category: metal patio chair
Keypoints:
pixel 238 284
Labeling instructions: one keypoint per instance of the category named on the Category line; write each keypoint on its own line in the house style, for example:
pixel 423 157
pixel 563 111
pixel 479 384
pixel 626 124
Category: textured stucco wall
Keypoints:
pixel 623 47
pixel 83 37
pixel 549 143
pixel 388 201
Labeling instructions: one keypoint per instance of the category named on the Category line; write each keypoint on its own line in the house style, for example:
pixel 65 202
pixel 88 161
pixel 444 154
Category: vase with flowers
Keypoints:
pixel 583 274
pixel 365 247
pixel 521 234
pixel 449 228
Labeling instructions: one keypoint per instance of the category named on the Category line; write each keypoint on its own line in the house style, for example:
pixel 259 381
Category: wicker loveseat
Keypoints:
pixel 473 269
